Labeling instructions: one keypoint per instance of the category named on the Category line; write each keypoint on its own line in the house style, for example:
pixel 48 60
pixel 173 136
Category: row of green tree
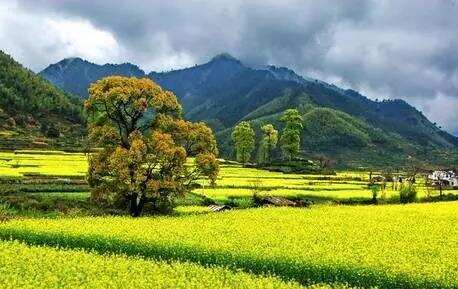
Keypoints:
pixel 244 139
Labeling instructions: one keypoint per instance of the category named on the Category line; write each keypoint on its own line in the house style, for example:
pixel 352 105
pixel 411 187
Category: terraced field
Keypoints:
pixel 54 163
pixel 329 245
pixel 58 172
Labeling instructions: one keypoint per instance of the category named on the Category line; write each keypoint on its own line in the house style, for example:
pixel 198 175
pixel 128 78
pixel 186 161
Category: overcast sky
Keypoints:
pixel 385 49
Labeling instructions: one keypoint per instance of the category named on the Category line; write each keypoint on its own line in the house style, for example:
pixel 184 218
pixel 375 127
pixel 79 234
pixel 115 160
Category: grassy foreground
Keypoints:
pixel 393 246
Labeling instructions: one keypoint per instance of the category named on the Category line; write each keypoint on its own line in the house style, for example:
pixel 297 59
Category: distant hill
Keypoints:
pixel 33 112
pixel 341 123
pixel 75 74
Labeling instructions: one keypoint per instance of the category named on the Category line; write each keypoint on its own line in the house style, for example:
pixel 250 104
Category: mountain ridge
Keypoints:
pixel 74 67
pixel 224 91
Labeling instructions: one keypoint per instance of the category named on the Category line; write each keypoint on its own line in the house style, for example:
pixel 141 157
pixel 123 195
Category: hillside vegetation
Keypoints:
pixel 341 123
pixel 34 111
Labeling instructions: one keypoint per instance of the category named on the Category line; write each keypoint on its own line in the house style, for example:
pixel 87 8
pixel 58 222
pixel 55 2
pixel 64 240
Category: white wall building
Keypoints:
pixel 450 177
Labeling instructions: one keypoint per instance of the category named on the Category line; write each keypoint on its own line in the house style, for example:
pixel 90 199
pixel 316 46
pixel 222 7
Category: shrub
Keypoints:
pixel 257 199
pixel 375 189
pixel 4 212
pixel 407 194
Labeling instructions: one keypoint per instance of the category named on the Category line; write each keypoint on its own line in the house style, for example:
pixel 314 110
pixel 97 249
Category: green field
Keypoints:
pixel 330 245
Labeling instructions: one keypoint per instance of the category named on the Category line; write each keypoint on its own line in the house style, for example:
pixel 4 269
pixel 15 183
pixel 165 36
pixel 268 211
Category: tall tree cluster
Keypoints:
pixel 290 140
pixel 268 143
pixel 141 159
pixel 243 137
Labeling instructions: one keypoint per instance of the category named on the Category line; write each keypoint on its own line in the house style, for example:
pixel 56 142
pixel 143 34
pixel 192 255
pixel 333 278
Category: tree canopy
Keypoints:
pixel 143 145
pixel 268 142
pixel 291 136
pixel 243 138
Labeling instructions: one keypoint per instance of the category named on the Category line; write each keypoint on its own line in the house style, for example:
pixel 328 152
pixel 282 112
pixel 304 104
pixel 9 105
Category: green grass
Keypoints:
pixel 393 246
pixel 63 195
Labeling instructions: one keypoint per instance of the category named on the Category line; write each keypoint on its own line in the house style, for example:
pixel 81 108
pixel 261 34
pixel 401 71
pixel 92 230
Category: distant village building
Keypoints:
pixel 445 178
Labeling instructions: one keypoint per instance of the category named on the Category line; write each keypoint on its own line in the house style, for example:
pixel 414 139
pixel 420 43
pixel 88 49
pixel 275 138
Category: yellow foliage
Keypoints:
pixel 139 160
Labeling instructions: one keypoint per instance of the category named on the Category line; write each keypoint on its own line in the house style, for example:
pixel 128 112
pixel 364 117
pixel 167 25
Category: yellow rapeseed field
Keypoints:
pixel 392 246
pixel 233 180
pixel 22 266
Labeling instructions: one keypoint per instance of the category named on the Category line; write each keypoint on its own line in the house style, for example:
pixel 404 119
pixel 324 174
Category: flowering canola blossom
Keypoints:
pixel 392 246
pixel 22 266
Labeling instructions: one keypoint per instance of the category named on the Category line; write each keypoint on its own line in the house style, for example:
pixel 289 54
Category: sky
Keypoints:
pixel 384 49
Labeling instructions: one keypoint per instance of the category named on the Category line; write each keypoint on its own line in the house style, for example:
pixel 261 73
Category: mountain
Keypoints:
pixel 33 111
pixel 75 74
pixel 224 91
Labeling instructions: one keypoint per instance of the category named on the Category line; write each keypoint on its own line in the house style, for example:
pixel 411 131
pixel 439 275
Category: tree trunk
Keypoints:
pixel 136 205
pixel 133 206
pixel 268 151
pixel 141 205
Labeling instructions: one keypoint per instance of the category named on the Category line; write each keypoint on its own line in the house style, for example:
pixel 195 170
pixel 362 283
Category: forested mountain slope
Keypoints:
pixel 34 110
pixel 224 91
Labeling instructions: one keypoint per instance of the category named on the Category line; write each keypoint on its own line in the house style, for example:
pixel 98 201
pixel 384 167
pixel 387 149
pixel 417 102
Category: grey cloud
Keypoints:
pixel 255 31
pixel 396 49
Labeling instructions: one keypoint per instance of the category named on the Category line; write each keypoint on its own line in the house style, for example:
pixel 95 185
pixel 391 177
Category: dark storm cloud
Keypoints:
pixel 396 49
pixel 256 31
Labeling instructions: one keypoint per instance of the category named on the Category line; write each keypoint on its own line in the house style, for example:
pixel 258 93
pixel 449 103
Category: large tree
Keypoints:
pixel 243 138
pixel 290 139
pixel 268 142
pixel 142 144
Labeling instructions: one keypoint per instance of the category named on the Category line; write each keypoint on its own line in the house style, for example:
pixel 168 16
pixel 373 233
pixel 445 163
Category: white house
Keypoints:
pixel 449 178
